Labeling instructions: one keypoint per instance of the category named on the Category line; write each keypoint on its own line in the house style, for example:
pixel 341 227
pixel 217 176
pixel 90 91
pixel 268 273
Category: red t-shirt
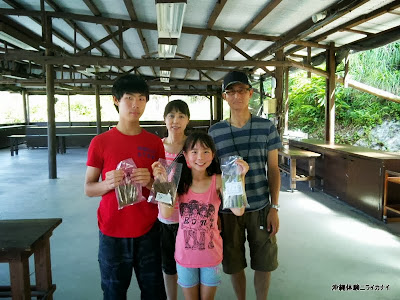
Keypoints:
pixel 105 152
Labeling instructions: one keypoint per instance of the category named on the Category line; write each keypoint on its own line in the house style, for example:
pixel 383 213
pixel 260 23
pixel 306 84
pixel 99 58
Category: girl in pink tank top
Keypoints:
pixel 198 249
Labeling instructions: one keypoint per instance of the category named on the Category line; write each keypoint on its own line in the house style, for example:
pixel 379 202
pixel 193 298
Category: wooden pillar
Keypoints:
pixel 346 71
pixel 330 95
pixel 25 106
pixel 98 109
pixel 218 112
pixel 69 110
pixel 261 95
pixel 286 99
pixel 279 93
pixel 211 110
pixel 51 124
pixel 309 61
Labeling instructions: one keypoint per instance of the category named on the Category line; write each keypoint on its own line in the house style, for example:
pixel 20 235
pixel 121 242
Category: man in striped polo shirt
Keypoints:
pixel 257 141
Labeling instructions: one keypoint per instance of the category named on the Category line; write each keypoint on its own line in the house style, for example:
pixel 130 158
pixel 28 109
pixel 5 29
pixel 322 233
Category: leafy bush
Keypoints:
pixel 356 112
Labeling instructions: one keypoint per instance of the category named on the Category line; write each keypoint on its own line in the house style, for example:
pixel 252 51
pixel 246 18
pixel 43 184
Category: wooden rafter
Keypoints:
pixel 132 14
pixel 219 5
pixel 107 28
pixel 339 9
pixel 73 25
pixel 352 23
pixel 269 7
pixel 97 60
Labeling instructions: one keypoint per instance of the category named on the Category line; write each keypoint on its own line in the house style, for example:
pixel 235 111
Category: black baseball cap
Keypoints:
pixel 235 77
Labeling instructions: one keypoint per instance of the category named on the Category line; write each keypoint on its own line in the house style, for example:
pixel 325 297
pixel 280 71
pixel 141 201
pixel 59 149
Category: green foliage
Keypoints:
pixel 356 112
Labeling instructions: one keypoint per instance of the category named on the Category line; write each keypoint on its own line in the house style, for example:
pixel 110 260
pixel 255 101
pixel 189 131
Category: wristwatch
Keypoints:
pixel 276 206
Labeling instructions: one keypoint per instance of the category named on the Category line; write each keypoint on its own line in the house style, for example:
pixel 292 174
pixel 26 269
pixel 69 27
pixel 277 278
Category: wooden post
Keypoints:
pixel 26 120
pixel 211 110
pixel 286 99
pixel 51 123
pixel 330 95
pixel 218 112
pixel 309 61
pixel 261 95
pixel 69 110
pixel 279 92
pixel 98 109
pixel 346 71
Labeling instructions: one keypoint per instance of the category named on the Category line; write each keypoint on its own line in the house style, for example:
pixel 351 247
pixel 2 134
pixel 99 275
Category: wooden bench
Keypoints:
pixel 17 139
pixel 292 154
pixel 19 239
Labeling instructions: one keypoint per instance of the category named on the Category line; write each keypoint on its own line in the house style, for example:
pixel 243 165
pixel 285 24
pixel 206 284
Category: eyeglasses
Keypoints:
pixel 239 91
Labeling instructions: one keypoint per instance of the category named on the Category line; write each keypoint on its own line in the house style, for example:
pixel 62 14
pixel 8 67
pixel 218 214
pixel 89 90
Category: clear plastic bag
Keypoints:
pixel 165 186
pixel 233 192
pixel 128 192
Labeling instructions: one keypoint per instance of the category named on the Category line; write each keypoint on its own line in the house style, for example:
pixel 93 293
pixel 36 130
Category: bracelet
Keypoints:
pixel 276 206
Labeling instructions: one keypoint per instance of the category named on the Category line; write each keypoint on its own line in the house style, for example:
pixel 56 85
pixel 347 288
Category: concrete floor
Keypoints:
pixel 323 242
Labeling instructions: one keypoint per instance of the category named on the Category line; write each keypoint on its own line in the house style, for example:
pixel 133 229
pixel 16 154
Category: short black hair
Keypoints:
pixel 130 84
pixel 177 105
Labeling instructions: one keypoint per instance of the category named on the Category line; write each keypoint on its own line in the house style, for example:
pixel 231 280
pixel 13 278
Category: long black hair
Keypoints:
pixel 186 176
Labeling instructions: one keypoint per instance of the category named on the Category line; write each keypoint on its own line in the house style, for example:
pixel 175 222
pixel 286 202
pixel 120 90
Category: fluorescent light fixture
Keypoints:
pixel 66 87
pixel 14 75
pixel 319 16
pixel 164 79
pixel 170 15
pixel 86 73
pixel 165 72
pixel 167 48
pixel 167 88
pixel 15 42
pixel 259 72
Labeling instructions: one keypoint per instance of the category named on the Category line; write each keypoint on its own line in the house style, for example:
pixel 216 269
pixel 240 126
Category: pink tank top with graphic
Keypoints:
pixel 198 243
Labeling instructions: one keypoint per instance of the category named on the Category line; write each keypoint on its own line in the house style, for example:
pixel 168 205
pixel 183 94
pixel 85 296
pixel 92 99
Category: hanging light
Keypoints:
pixel 167 47
pixel 170 15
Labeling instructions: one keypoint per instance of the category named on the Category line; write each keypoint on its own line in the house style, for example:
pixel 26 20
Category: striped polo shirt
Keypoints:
pixel 253 145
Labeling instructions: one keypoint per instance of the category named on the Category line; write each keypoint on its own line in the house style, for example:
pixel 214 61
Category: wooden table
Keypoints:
pixel 19 239
pixel 292 154
pixel 15 140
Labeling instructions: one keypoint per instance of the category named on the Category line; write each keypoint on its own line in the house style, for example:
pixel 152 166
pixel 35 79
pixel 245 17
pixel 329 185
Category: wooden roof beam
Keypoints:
pixel 334 12
pixel 100 60
pixel 352 23
pixel 219 5
pixel 268 8
pixel 132 14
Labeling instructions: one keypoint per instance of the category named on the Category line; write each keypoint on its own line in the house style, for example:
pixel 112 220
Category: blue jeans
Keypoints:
pixel 119 256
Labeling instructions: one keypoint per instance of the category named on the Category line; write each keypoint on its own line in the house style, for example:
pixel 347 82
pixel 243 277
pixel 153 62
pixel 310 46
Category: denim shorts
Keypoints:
pixel 118 257
pixel 190 277
pixel 168 237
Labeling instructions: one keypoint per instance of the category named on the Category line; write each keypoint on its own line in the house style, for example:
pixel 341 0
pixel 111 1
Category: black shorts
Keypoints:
pixel 168 237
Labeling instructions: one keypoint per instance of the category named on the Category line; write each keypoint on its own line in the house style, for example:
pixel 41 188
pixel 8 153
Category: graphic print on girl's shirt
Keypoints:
pixel 197 224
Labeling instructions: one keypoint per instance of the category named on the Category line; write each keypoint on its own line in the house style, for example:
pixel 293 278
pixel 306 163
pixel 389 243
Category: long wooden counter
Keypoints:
pixel 354 174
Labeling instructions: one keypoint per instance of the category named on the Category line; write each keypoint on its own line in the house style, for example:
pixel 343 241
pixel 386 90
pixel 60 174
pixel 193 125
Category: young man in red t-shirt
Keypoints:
pixel 129 237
